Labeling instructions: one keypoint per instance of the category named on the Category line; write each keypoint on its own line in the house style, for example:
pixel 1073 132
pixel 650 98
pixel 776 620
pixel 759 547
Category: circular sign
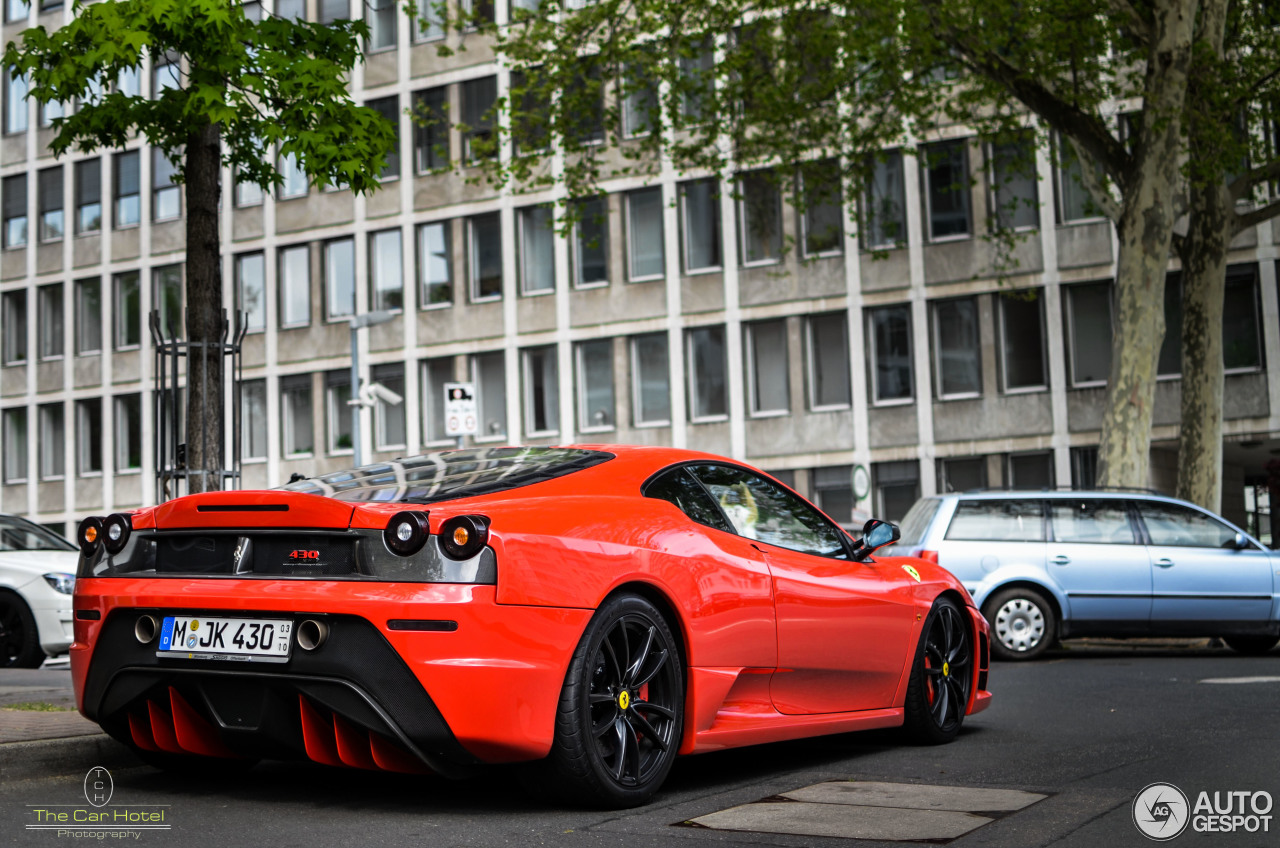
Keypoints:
pixel 1161 811
pixel 861 482
pixel 98 786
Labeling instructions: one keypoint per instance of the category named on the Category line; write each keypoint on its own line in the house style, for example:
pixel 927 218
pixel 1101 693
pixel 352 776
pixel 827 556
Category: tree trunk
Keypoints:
pixel 1145 232
pixel 204 312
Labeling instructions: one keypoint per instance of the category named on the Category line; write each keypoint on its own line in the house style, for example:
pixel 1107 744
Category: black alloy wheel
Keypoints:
pixel 19 640
pixel 942 676
pixel 621 711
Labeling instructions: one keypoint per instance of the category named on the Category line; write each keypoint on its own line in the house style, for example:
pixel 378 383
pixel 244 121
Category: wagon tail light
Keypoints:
pixel 929 556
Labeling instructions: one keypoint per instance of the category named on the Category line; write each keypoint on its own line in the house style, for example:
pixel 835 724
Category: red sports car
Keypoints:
pixel 592 610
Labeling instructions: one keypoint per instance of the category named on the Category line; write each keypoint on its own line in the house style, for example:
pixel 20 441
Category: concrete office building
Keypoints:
pixel 670 318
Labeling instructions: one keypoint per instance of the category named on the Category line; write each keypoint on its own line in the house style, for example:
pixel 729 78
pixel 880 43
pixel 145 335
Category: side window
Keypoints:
pixel 678 487
pixel 761 510
pixel 997 521
pixel 1099 522
pixel 1170 524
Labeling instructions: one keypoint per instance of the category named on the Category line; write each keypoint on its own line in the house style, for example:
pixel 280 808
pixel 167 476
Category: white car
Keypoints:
pixel 37 577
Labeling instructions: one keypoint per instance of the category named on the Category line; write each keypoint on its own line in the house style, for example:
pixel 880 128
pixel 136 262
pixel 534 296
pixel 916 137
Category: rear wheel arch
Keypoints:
pixel 656 596
pixel 1038 588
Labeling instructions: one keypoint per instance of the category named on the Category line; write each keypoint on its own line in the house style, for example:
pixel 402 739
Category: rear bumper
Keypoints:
pixel 371 696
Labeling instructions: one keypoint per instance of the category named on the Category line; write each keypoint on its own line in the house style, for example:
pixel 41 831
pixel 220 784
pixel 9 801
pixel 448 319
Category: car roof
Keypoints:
pixel 1063 494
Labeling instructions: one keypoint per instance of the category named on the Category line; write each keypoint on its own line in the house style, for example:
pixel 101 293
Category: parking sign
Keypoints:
pixel 460 409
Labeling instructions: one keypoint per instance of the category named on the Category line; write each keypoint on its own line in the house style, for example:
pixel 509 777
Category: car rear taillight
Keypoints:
pixel 929 556
pixel 464 536
pixel 406 532
pixel 116 530
pixel 89 534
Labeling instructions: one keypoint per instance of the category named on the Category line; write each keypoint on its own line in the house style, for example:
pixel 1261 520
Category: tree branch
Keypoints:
pixel 1255 217
pixel 1241 185
pixel 1131 21
pixel 1093 183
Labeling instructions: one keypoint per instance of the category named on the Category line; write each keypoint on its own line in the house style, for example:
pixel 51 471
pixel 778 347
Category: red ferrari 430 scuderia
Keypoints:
pixel 593 610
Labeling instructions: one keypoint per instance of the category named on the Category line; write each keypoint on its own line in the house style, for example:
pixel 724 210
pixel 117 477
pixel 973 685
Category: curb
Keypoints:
pixel 73 755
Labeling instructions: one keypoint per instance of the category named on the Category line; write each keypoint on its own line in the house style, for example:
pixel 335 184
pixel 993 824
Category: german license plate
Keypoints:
pixel 242 639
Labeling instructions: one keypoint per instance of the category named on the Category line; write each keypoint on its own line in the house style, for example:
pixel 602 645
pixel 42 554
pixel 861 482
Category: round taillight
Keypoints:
pixel 115 532
pixel 406 532
pixel 463 536
pixel 89 533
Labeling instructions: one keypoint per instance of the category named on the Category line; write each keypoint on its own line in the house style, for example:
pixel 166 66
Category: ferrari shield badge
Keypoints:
pixel 910 570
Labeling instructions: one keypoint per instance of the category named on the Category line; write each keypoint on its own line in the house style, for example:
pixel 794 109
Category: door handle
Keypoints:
pixel 1164 563
pixel 1061 560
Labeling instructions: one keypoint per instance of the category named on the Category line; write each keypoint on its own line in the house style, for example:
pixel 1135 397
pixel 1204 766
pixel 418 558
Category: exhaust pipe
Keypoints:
pixel 312 634
pixel 145 628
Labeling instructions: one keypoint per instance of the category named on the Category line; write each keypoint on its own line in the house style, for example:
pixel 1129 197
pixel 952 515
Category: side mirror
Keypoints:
pixel 875 535
pixel 1240 541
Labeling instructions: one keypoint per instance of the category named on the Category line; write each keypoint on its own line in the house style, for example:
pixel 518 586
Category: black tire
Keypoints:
pixel 941 676
pixel 1251 646
pixel 609 750
pixel 19 640
pixel 1023 623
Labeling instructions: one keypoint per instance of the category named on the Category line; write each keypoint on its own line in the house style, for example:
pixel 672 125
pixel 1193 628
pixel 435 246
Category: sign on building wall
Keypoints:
pixel 460 409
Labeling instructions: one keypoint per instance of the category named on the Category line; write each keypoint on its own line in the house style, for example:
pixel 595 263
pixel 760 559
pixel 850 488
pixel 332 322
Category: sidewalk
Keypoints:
pixel 39 704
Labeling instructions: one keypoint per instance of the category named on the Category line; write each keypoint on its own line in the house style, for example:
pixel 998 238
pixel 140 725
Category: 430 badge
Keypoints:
pixel 199 637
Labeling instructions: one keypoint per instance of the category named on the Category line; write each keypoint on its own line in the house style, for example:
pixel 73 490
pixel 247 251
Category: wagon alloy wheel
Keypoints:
pixel 19 642
pixel 621 710
pixel 942 676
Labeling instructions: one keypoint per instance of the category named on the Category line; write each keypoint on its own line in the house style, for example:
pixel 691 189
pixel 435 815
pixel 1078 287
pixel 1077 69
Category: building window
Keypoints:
pixel 251 291
pixel 884 204
pixel 386 278
pixel 435 373
pixel 1029 471
pixel 651 380
pixel 767 367
pixel 892 379
pixel 15 210
pixel 485 237
pixel 828 341
pixel 537 256
pixel 129 81
pixel 15 445
pixel 382 17
pixel 700 211
pixel 896 486
pixel 476 9
pixel 165 74
pixel 295 286
pixel 53 441
pixel 640 101
pixel 833 493
pixel 13 323
pixel 333 10
pixel 15 99
pixel 708 387
pixel 431 132
pixel 128 433
pixel 253 419
pixel 591 242
pixel 291 10
pixel 1015 198
pixel 1023 364
pixel 1089 333
pixel 388 418
pixel 644 234
pixel 478 98
pixel 946 190
pixel 698 71
pixel 822 219
pixel 1084 467
pixel 16 10
pixel 248 193
pixel 89 437
pixel 595 386
pixel 428 26
pixel 1241 313
pixel 585 123
pixel 530 102
pixel 759 218
pixel 88 315
pixel 88 190
pixel 1169 363
pixel 1074 201
pixel 489 373
pixel 435 277
pixel 166 199
pixel 49 185
pixel 293 179
pixel 295 414
pixel 962 474
pixel 338 411
pixel 541 392
pixel 168 300
pixel 127 302
pixel 957 355
pixel 389 108
pixel 128 197
pixel 49 321
pixel 339 278
pixel 51 111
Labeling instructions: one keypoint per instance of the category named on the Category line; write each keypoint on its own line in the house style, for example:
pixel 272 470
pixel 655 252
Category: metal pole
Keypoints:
pixel 355 393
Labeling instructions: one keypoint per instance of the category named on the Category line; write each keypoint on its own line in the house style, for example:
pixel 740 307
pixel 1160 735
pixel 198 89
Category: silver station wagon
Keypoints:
pixel 1044 566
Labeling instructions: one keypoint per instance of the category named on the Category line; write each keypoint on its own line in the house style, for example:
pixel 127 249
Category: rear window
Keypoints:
pixel 997 521
pixel 917 521
pixel 449 475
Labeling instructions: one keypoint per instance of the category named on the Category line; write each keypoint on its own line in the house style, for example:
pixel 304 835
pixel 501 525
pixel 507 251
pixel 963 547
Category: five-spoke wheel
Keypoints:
pixel 942 675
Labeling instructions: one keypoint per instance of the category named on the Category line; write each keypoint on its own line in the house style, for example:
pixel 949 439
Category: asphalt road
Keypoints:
pixel 1089 727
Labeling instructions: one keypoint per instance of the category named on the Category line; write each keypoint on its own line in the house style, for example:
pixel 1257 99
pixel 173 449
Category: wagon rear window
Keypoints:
pixel 448 475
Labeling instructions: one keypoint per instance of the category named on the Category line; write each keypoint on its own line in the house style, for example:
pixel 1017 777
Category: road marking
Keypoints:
pixel 1266 679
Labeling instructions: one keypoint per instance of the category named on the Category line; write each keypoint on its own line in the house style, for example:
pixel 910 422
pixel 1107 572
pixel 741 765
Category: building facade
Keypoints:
pixel 681 310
